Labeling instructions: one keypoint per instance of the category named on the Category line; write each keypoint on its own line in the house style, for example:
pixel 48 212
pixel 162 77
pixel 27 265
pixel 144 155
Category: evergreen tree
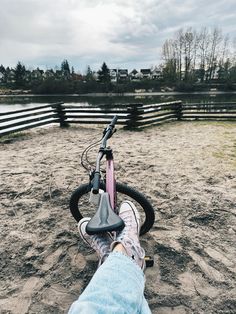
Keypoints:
pixel 20 72
pixel 104 74
pixel 65 69
pixel 89 74
pixel 2 69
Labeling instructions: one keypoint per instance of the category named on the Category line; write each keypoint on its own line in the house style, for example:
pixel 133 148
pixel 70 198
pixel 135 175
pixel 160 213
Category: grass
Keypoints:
pixel 227 152
pixel 6 139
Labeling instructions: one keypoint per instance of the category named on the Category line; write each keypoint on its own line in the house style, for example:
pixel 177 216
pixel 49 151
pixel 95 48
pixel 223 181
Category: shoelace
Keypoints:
pixel 101 246
pixel 128 224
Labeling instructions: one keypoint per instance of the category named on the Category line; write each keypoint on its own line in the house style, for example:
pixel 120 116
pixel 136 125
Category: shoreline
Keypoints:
pixel 119 94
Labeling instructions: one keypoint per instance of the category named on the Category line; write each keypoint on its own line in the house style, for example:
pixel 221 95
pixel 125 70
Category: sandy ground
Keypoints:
pixel 187 169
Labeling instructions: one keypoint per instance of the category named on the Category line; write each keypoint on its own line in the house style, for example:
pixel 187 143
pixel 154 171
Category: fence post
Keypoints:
pixel 60 111
pixel 178 110
pixel 134 112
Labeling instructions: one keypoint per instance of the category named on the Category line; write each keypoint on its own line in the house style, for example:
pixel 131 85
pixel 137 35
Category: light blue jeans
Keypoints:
pixel 116 287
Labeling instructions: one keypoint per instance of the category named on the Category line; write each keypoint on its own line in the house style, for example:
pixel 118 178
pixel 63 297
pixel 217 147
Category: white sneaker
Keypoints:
pixel 129 236
pixel 101 243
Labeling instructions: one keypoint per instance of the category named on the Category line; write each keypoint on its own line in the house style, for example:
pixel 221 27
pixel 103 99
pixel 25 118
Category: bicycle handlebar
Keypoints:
pixel 110 127
pixel 113 121
pixel 108 131
pixel 96 182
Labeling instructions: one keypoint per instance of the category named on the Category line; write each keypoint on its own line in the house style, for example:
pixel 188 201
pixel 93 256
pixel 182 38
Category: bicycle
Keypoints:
pixel 103 194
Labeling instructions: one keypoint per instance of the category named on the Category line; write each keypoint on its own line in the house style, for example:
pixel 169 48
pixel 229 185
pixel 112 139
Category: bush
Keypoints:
pixel 183 86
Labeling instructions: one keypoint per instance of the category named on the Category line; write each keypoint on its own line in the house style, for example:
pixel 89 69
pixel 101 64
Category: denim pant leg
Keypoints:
pixel 116 287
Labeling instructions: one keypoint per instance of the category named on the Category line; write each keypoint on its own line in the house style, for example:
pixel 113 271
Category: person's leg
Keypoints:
pixel 116 287
pixel 118 284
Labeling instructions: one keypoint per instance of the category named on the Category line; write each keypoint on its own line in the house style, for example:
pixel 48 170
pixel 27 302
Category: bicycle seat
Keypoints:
pixel 105 219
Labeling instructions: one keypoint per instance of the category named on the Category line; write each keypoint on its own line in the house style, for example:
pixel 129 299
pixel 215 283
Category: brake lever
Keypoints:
pixel 112 132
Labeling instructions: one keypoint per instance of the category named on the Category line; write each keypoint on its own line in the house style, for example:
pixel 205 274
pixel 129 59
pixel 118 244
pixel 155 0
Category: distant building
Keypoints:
pixel 120 75
pixel 58 74
pixel 10 76
pixel 113 75
pixel 156 75
pixel 146 73
pixel 95 76
pixel 133 75
pixel 48 73
pixel 123 74
pixel 37 75
pixel 27 76
pixel 1 77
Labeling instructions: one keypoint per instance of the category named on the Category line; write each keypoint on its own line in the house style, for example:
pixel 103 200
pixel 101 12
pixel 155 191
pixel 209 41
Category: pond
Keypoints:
pixel 9 103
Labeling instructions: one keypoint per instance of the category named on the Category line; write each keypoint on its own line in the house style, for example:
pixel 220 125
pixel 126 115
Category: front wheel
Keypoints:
pixel 81 207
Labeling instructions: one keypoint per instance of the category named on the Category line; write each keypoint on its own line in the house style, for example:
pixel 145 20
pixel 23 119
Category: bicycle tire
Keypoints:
pixel 146 207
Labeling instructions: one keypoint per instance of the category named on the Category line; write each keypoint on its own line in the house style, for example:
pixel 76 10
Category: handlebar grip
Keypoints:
pixel 96 183
pixel 113 121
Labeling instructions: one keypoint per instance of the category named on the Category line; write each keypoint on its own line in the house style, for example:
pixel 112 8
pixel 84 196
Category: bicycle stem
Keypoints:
pixel 107 134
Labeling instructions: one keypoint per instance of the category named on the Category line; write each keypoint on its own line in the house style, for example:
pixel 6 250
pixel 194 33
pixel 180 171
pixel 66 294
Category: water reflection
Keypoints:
pixel 17 102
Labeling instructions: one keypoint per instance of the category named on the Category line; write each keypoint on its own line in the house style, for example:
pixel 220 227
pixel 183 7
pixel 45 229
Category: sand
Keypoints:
pixel 187 169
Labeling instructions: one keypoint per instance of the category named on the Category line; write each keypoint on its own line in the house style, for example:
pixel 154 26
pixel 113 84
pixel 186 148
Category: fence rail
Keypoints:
pixel 210 111
pixel 21 120
pixel 131 116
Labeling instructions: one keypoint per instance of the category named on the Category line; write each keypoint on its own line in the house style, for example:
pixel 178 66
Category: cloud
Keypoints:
pixel 120 32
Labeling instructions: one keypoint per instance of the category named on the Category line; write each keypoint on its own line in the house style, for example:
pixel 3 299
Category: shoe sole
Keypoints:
pixel 82 221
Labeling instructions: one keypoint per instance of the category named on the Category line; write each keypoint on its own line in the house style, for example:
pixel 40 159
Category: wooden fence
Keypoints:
pixel 131 116
pixel 20 120
pixel 210 111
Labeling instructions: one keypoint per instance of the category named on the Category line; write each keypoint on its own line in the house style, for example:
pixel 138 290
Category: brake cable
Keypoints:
pixel 85 153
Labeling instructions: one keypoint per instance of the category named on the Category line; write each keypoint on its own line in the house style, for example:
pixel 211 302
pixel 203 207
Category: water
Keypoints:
pixel 11 103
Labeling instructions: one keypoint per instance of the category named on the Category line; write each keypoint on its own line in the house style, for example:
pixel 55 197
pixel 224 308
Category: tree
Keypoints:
pixel 214 52
pixel 197 55
pixel 89 74
pixel 65 69
pixel 104 74
pixel 178 44
pixel 169 56
pixel 204 42
pixel 2 69
pixel 20 72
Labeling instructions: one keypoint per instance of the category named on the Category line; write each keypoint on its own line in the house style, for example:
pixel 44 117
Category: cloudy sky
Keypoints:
pixel 124 33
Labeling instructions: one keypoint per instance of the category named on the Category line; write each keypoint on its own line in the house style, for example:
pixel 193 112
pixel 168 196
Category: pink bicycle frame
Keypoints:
pixel 110 182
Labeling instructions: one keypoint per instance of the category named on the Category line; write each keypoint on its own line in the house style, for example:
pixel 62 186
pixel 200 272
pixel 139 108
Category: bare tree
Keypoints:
pixel 188 51
pixel 199 54
pixel 178 46
pixel 203 47
pixel 214 51
pixel 195 48
pixel 169 56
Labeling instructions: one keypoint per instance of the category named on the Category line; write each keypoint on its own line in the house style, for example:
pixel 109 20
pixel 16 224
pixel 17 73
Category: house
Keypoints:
pixel 10 75
pixel 27 76
pixel 79 77
pixel 113 75
pixel 37 74
pixel 95 76
pixel 134 75
pixel 48 74
pixel 146 73
pixel 1 77
pixel 123 74
pixel 156 74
